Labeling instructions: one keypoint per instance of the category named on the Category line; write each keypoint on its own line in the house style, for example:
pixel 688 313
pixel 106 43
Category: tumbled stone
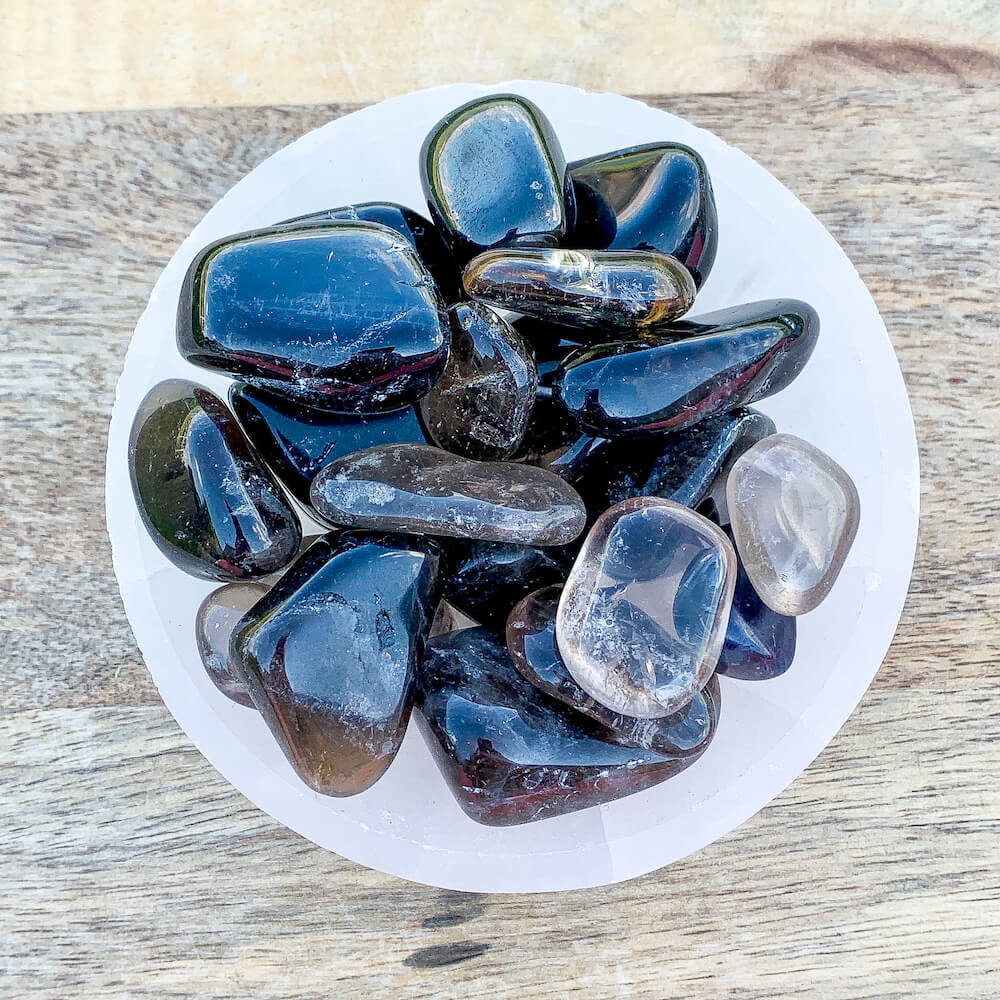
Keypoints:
pixel 682 466
pixel 687 371
pixel 794 514
pixel 493 172
pixel 329 654
pixel 531 641
pixel 480 405
pixel 420 232
pixel 509 753
pixel 345 315
pixel 209 505
pixel 624 289
pixel 213 629
pixel 760 643
pixel 296 440
pixel 643 615
pixel 486 579
pixel 415 488
pixel 653 197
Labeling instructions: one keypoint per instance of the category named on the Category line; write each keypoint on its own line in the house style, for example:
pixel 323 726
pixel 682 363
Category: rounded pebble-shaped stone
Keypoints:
pixel 213 629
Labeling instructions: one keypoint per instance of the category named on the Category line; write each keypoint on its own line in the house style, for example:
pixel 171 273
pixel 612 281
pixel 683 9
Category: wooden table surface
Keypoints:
pixel 129 868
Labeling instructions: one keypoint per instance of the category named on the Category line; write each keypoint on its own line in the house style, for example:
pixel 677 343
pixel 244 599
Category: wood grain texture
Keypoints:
pixel 131 869
pixel 66 55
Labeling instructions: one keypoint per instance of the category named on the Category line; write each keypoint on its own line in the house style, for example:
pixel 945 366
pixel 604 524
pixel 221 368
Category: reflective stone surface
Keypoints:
pixel 213 629
pixel 643 615
pixel 493 172
pixel 531 641
pixel 623 289
pixel 480 405
pixel 509 753
pixel 329 654
pixel 486 579
pixel 420 232
pixel 653 197
pixel 682 466
pixel 760 643
pixel 419 489
pixel 297 440
pixel 211 507
pixel 343 315
pixel 689 370
pixel 794 514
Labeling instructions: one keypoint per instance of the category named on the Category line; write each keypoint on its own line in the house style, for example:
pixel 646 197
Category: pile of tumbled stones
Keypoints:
pixel 506 426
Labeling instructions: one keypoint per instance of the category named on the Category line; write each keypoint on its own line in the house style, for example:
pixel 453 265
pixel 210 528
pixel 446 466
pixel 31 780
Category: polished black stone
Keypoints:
pixel 211 507
pixel 531 641
pixel 344 315
pixel 486 579
pixel 682 466
pixel 329 654
pixel 653 197
pixel 297 440
pixel 689 370
pixel 511 754
pixel 480 405
pixel 493 172
pixel 760 643
pixel 421 232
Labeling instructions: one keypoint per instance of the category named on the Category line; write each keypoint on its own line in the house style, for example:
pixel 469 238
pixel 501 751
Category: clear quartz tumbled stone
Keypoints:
pixel 643 615
pixel 794 514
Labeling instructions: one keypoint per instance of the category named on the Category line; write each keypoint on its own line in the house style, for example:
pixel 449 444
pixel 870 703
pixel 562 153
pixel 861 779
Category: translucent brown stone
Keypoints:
pixel 214 624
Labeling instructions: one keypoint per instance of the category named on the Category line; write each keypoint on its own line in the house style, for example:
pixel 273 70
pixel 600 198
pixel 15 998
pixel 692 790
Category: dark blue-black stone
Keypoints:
pixel 343 315
pixel 419 231
pixel 510 753
pixel 211 507
pixel 653 197
pixel 297 440
pixel 688 371
pixel 493 172
pixel 329 654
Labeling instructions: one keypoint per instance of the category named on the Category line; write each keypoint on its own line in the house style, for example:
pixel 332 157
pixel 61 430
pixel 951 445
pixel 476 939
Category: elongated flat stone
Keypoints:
pixel 345 315
pixel 207 502
pixel 760 643
pixel 682 466
pixel 642 618
pixel 214 624
pixel 419 489
pixel 688 371
pixel 531 641
pixel 511 754
pixel 622 289
pixel 486 579
pixel 493 172
pixel 296 440
pixel 329 654
pixel 794 514
pixel 480 405
pixel 419 231
pixel 652 197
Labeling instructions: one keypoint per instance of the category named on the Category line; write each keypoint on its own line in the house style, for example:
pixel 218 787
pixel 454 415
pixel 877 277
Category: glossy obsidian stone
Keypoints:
pixel 480 405
pixel 213 629
pixel 531 641
pixel 653 197
pixel 682 466
pixel 486 579
pixel 329 654
pixel 760 643
pixel 419 231
pixel 345 315
pixel 511 754
pixel 493 172
pixel 689 370
pixel 297 440
pixel 207 501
